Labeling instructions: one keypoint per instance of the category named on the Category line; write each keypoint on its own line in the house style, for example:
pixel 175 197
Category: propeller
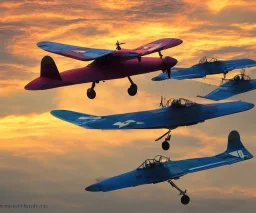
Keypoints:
pixel 224 78
pixel 118 45
pixel 162 102
pixel 168 63
pixel 168 72
pixel 160 54
pixel 243 71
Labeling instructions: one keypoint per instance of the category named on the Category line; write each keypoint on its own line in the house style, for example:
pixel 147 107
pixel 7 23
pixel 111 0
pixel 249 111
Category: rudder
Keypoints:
pixel 236 148
pixel 234 141
pixel 49 69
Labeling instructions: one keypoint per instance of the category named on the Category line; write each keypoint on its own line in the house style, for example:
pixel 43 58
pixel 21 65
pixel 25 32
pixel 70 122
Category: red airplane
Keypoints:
pixel 107 65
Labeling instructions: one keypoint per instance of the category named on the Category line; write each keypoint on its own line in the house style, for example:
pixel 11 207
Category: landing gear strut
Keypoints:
pixel 165 144
pixel 184 198
pixel 160 54
pixel 91 92
pixel 132 90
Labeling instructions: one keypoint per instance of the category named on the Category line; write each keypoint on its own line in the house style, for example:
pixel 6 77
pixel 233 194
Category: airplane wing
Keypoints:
pixel 238 63
pixel 230 89
pixel 79 53
pixel 221 93
pixel 204 69
pixel 136 120
pixel 157 46
pixel 181 74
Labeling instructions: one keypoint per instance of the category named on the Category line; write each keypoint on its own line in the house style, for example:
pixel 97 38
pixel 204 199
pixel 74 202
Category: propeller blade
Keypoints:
pixel 169 73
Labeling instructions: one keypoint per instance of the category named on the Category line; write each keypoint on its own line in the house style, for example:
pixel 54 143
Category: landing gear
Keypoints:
pixel 185 199
pixel 160 54
pixel 91 92
pixel 165 144
pixel 139 58
pixel 132 90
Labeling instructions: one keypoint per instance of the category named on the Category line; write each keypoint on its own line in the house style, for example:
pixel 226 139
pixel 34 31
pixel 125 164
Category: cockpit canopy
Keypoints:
pixel 207 59
pixel 241 77
pixel 177 103
pixel 158 160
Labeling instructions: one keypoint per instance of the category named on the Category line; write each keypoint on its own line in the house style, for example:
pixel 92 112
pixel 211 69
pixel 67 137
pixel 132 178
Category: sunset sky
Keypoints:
pixel 47 161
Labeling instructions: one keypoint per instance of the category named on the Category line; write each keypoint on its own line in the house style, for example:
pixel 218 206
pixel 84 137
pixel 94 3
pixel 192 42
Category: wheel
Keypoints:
pixel 185 199
pixel 132 90
pixel 165 145
pixel 91 93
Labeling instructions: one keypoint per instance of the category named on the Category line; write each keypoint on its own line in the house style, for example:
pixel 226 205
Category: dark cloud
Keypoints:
pixel 221 52
pixel 9 72
pixel 226 16
pixel 91 31
pixel 216 28
pixel 7 36
pixel 151 10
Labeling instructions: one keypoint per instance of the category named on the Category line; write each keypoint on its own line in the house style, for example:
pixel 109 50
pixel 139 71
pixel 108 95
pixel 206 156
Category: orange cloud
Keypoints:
pixel 133 32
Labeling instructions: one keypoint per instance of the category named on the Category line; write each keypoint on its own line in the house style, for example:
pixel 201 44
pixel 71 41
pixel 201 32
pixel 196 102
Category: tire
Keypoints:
pixel 165 145
pixel 185 199
pixel 132 90
pixel 91 93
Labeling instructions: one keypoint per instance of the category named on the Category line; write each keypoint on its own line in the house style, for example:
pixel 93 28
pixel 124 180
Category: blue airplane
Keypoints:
pixel 162 169
pixel 172 114
pixel 206 66
pixel 239 84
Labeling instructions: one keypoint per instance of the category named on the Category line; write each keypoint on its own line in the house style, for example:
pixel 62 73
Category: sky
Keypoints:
pixel 46 161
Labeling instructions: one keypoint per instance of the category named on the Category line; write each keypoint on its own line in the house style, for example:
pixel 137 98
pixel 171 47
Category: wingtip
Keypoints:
pixel 41 44
pixel 53 112
pixel 155 79
pixel 159 78
pixel 56 113
pixel 179 40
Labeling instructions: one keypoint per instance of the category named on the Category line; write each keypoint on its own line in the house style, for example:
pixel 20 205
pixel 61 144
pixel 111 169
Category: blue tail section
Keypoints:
pixel 235 146
pixel 234 142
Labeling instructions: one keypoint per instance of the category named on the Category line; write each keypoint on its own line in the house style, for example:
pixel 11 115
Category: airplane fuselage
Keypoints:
pixel 160 172
pixel 101 71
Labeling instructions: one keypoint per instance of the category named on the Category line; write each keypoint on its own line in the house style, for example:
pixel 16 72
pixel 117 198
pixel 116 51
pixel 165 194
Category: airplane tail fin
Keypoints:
pixel 49 69
pixel 236 148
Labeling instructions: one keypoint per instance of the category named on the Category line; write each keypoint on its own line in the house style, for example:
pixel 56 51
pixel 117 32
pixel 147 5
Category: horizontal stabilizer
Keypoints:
pixel 49 69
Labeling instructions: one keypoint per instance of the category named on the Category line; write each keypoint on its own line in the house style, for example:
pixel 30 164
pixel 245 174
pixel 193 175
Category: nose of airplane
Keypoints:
pixel 97 187
pixel 240 106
